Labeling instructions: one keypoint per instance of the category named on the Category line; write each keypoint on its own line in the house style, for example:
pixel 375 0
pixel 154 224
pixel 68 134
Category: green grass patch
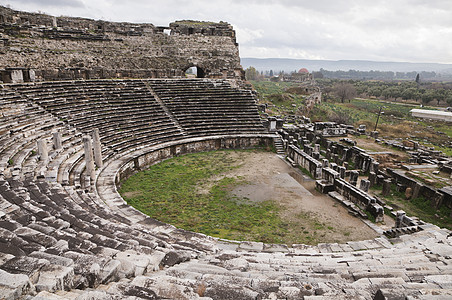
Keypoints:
pixel 306 172
pixel 177 191
pixel 285 96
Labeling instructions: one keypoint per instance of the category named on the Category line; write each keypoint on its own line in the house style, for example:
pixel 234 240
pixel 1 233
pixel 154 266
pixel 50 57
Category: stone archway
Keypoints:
pixel 194 71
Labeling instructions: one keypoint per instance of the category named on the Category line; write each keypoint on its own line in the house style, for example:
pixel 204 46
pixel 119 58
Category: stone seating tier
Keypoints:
pixel 62 242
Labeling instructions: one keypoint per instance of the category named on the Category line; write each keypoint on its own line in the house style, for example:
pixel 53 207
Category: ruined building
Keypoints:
pixel 37 46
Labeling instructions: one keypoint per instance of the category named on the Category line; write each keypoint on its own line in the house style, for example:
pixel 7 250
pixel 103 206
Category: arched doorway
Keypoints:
pixel 194 72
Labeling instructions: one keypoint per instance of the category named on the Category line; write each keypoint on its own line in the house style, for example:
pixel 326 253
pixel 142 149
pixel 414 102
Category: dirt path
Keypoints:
pixel 317 217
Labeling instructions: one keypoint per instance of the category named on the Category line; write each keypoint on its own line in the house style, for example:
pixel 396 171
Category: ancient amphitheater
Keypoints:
pixel 73 125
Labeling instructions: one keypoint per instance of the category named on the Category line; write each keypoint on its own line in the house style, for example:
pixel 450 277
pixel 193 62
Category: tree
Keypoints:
pixel 449 98
pixel 251 73
pixel 317 75
pixel 427 96
pixel 409 93
pixel 375 91
pixel 439 95
pixel 271 73
pixel 417 78
pixel 390 92
pixel 345 91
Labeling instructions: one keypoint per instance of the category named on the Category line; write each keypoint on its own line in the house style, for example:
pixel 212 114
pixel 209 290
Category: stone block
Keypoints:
pixel 251 246
pixel 172 258
pixel 324 186
pixel 131 258
pixel 28 266
pixel 364 185
pixel 14 286
pixel 354 177
pixel 372 179
pixel 53 259
pixel 386 187
pixel 54 278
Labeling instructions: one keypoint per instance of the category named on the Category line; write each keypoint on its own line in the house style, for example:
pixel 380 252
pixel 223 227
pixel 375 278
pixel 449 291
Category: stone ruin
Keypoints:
pixel 330 167
pixel 42 47
pixel 66 233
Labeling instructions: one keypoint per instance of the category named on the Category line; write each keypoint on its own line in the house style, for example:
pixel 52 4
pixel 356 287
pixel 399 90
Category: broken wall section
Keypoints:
pixel 65 48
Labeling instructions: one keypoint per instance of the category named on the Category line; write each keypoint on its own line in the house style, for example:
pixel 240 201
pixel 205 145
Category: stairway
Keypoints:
pixel 165 109
pixel 279 146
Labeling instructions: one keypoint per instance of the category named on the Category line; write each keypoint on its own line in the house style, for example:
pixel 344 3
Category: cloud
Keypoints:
pixel 46 3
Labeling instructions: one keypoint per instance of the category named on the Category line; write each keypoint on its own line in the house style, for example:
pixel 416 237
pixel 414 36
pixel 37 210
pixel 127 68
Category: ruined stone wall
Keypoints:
pixel 77 48
pixel 184 147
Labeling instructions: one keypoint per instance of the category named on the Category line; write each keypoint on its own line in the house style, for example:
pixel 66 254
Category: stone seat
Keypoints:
pixel 67 238
pixel 137 128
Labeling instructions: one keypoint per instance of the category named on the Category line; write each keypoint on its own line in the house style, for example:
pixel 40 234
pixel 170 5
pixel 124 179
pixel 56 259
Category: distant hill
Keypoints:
pixel 289 65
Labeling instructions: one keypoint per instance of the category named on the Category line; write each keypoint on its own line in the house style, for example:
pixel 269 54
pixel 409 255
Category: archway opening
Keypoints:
pixel 194 72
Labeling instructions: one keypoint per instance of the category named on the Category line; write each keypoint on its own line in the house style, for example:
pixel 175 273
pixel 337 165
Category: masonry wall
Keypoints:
pixel 73 48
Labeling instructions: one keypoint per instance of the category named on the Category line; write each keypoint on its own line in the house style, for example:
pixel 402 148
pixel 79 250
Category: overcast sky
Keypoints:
pixel 381 30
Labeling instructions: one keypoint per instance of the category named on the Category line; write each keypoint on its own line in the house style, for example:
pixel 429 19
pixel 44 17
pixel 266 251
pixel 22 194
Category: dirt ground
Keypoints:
pixel 320 218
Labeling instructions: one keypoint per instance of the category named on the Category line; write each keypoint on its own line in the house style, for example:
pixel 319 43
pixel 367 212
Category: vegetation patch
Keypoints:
pixel 197 192
pixel 419 207
pixel 168 192
pixel 282 97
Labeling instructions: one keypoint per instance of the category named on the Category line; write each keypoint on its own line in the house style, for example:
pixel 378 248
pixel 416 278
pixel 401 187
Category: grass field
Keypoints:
pixel 196 192
pixel 169 192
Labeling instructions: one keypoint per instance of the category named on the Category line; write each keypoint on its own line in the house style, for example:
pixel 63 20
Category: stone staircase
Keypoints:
pixel 279 146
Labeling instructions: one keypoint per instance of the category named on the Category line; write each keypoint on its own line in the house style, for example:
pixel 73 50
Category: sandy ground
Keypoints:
pixel 268 177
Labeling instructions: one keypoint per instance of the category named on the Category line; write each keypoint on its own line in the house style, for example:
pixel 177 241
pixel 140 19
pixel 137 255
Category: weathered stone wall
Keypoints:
pixel 72 48
pixel 184 147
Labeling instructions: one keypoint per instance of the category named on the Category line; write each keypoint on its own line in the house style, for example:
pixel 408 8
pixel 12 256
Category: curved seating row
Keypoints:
pixel 61 239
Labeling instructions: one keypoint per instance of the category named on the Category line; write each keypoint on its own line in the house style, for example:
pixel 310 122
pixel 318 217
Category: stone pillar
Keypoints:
pixel 90 171
pixel 333 166
pixel 57 144
pixel 365 165
pixel 42 150
pixel 342 172
pixel 380 179
pixel 372 178
pixel 386 187
pixel 328 154
pixel 399 220
pixel 317 148
pixel 346 165
pixel 344 157
pixel 334 149
pixel 364 185
pixel 354 177
pixel 272 123
pixel 337 159
pixel 97 148
pixel 374 167
pixel 325 163
pixel 316 155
